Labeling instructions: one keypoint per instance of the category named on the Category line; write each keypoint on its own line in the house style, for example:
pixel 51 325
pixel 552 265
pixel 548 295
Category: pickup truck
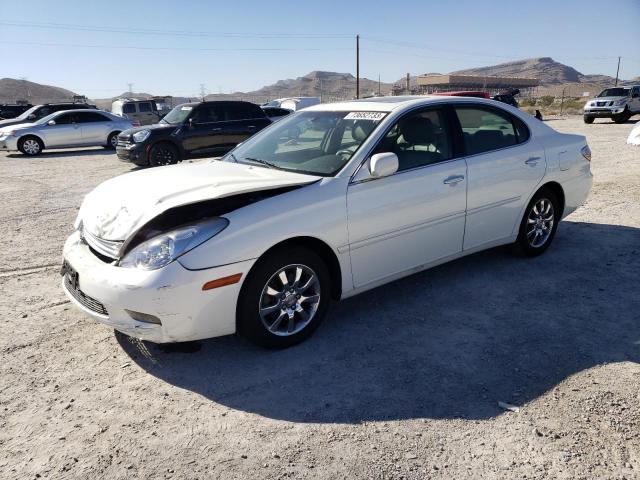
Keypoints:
pixel 617 103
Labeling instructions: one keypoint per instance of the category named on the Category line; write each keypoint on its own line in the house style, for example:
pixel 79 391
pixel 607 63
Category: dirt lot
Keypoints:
pixel 400 382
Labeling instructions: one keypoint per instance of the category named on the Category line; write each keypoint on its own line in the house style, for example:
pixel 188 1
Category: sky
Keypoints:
pixel 163 47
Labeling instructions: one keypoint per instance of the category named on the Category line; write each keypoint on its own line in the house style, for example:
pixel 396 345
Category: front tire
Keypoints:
pixel 163 154
pixel 539 224
pixel 622 117
pixel 112 141
pixel 588 119
pixel 284 298
pixel 30 146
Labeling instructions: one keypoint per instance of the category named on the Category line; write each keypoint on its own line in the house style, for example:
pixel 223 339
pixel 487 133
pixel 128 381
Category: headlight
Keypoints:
pixel 620 102
pixel 165 248
pixel 141 136
pixel 10 133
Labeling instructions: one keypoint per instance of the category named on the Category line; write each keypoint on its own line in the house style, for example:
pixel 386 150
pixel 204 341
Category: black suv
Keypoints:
pixel 12 110
pixel 39 111
pixel 191 130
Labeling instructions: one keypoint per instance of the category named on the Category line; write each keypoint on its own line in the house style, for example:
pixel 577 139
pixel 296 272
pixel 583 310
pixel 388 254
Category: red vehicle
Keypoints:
pixel 463 93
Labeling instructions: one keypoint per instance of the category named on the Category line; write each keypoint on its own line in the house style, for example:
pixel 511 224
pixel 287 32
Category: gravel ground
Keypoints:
pixel 400 382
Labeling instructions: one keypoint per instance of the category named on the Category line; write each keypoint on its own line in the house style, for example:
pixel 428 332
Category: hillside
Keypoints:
pixel 12 89
pixel 328 85
pixel 545 69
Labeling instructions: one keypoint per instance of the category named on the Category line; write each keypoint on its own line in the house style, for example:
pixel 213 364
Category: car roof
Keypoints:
pixel 389 104
pixel 80 110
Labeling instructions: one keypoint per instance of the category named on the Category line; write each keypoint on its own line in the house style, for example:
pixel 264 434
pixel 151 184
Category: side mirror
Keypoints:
pixel 383 164
pixel 190 122
pixel 51 122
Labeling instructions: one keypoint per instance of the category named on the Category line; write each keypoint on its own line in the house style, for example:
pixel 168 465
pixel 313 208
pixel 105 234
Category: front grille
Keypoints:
pixel 90 303
pixel 124 143
pixel 107 248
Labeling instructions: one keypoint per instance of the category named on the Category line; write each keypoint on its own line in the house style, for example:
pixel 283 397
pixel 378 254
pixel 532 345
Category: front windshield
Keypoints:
pixel 177 115
pixel 316 143
pixel 43 120
pixel 614 92
pixel 26 114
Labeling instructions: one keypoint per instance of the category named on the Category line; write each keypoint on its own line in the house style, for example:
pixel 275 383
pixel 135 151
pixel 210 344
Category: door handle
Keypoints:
pixel 251 127
pixel 453 180
pixel 216 129
pixel 533 161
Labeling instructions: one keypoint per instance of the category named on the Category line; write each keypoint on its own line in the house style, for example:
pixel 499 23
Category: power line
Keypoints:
pixel 136 47
pixel 181 33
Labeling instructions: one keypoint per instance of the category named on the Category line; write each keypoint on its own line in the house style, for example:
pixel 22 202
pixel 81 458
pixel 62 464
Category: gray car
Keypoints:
pixel 68 128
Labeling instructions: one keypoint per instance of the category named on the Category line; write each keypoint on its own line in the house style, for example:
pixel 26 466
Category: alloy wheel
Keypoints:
pixel 31 146
pixel 540 223
pixel 164 156
pixel 289 300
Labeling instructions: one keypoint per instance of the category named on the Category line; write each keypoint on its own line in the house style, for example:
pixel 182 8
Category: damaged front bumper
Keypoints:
pixel 173 294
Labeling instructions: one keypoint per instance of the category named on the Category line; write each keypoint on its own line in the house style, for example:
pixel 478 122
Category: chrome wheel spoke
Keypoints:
pixel 283 308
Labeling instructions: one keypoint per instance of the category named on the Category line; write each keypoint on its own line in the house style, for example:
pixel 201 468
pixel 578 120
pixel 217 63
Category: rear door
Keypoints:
pixel 95 127
pixel 146 114
pixel 504 167
pixel 244 119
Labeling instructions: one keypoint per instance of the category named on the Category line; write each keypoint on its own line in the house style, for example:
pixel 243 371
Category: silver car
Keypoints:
pixel 67 128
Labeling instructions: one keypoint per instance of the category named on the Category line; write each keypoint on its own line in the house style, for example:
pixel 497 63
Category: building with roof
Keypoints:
pixel 449 83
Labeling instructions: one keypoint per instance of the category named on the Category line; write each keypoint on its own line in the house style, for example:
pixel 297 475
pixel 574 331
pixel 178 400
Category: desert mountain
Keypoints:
pixel 545 69
pixel 12 89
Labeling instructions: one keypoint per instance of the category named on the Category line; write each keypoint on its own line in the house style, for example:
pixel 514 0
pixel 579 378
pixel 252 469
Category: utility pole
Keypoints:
pixel 562 101
pixel 408 84
pixel 617 71
pixel 357 66
pixel 379 85
pixel 202 91
pixel 130 85
pixel 26 89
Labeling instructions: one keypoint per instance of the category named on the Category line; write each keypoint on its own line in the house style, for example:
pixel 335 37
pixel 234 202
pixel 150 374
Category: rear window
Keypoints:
pixel 129 108
pixel 486 129
pixel 144 107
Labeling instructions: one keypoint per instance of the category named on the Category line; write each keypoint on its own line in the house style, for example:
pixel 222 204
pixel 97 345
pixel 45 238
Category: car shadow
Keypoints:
pixel 446 343
pixel 64 153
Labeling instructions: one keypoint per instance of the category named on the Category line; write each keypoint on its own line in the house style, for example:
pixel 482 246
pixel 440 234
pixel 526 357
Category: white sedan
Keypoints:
pixel 327 203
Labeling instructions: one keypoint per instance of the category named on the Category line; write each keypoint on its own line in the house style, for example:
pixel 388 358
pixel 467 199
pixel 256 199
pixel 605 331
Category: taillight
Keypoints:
pixel 586 153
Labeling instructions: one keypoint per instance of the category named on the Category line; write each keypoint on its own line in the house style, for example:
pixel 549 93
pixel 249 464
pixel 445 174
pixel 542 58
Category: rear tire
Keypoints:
pixel 163 154
pixel 539 223
pixel 30 145
pixel 112 141
pixel 588 119
pixel 275 313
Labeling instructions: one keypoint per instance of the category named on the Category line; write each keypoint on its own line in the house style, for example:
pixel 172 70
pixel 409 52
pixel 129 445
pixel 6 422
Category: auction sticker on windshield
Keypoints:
pixel 187 108
pixel 375 116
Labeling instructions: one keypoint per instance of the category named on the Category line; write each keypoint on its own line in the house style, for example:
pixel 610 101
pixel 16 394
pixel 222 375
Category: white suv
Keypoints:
pixel 617 103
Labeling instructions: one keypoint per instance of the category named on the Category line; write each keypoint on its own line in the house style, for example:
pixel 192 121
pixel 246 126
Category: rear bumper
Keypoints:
pixel 577 190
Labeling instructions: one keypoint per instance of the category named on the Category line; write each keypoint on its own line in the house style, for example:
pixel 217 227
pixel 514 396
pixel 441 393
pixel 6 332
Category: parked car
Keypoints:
pixel 140 112
pixel 617 103
pixel 293 103
pixel 192 130
pixel 12 110
pixel 276 113
pixel 508 97
pixel 40 111
pixel 68 128
pixel 463 93
pixel 260 241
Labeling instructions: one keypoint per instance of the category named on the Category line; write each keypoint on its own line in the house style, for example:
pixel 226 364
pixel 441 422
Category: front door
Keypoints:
pixel 65 133
pixel 205 131
pixel 504 167
pixel 415 216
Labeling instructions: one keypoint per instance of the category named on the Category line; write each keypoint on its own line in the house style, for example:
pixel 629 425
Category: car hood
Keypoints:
pixel 118 207
pixel 155 126
pixel 16 126
pixel 606 99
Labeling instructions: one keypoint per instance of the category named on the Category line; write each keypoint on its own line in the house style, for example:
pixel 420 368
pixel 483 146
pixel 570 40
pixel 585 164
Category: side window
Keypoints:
pixel 129 108
pixel 419 139
pixel 209 113
pixel 90 117
pixel 144 107
pixel 65 119
pixel 485 130
pixel 43 112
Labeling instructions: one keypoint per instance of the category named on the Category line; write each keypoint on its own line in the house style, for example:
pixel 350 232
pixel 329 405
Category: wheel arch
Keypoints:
pixel 322 249
pixel 557 190
pixel 31 135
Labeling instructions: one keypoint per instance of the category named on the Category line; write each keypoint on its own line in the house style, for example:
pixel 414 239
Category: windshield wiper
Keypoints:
pixel 262 162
